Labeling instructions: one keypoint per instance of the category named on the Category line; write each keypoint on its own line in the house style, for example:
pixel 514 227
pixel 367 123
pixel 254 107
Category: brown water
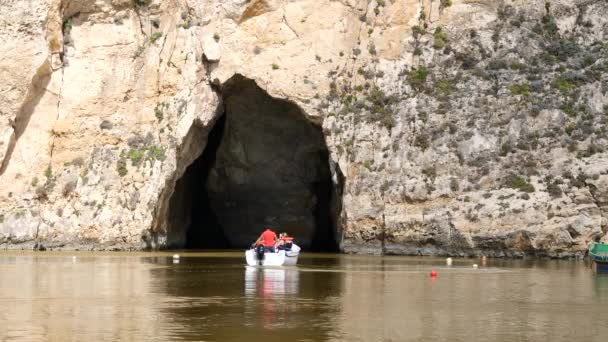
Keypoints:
pixel 214 297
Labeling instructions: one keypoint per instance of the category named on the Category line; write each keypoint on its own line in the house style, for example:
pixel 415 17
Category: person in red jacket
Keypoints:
pixel 267 239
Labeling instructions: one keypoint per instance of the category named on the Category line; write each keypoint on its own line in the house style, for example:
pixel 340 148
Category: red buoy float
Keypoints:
pixel 433 274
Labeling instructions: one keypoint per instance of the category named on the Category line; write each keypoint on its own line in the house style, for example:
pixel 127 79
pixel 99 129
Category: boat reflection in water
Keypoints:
pixel 600 285
pixel 271 294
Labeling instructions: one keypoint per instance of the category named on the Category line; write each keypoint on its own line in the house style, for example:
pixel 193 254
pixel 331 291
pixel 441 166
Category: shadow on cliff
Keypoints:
pixel 37 88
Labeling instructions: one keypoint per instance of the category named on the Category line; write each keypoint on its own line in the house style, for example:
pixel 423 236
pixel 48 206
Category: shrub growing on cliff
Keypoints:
pixel 445 3
pixel 505 149
pixel 554 190
pixel 67 25
pixel 156 153
pixel 440 38
pixel 159 110
pixel 105 124
pixel 42 193
pixel 381 110
pixel 136 156
pixel 417 77
pixel 568 108
pixel 444 87
pixel 155 36
pixel 141 2
pixel 454 185
pixel 68 188
pixel 417 31
pixel 422 141
pixel 121 167
pixel 48 173
pixel 570 127
pixel 467 60
pixel 519 183
pixel 430 172
pixel 372 49
pixel 520 89
pixel 140 50
pixel 563 85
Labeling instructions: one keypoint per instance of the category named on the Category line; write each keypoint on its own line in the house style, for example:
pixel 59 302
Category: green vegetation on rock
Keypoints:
pixel 520 89
pixel 520 183
pixel 444 87
pixel 445 3
pixel 155 36
pixel 141 2
pixel 121 167
pixel 417 77
pixel 440 38
pixel 48 172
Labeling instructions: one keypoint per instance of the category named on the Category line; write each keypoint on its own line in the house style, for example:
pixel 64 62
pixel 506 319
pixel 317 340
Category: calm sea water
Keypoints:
pixel 215 297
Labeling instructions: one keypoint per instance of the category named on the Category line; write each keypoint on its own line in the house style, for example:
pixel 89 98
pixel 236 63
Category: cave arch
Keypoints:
pixel 265 164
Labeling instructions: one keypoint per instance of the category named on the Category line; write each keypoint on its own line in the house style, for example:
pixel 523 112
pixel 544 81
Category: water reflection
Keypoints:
pixel 600 285
pixel 270 282
pixel 215 299
pixel 268 293
pixel 45 296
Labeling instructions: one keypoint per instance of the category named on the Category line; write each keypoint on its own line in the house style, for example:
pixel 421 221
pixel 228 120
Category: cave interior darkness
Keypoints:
pixel 264 165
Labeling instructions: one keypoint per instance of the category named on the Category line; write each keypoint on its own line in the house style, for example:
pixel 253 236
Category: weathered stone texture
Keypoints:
pixel 460 127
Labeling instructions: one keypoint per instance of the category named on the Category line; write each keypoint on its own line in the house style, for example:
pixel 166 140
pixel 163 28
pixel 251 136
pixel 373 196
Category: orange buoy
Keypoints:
pixel 433 274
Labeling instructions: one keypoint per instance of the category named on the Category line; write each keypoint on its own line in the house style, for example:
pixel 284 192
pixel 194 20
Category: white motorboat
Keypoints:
pixel 280 257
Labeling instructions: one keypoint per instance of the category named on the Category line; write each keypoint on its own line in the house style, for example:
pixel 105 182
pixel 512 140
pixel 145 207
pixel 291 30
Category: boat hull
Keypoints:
pixel 278 258
pixel 601 267
pixel 598 252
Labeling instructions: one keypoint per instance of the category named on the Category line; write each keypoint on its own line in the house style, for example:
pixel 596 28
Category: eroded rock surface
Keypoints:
pixel 453 127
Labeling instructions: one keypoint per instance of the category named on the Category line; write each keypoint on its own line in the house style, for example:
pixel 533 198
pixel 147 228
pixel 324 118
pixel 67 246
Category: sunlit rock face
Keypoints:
pixel 451 127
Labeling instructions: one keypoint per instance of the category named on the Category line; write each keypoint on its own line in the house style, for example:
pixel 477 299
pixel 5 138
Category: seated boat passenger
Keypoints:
pixel 285 242
pixel 267 239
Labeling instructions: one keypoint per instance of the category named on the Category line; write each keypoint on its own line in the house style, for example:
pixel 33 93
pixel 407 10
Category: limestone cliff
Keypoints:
pixel 451 126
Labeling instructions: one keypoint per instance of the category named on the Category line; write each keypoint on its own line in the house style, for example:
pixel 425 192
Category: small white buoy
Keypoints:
pixel 73 259
pixel 176 256
pixel 448 261
pixel 475 266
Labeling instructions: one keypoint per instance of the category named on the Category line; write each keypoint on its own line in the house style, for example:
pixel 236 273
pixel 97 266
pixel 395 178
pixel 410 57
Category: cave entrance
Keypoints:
pixel 264 165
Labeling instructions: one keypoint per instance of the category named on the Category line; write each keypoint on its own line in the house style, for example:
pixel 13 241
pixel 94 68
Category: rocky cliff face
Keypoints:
pixel 450 126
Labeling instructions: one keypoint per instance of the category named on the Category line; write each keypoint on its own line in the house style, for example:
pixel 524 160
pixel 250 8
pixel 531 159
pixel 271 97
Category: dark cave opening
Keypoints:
pixel 212 236
pixel 264 165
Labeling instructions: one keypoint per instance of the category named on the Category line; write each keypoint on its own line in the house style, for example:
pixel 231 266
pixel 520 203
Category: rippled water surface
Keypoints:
pixel 214 297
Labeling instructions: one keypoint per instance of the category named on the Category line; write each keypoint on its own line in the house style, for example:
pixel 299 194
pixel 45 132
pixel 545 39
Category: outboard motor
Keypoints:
pixel 259 251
